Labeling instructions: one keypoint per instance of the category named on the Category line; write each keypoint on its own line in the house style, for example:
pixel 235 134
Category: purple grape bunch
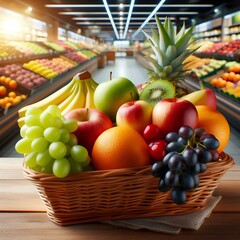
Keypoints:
pixel 188 152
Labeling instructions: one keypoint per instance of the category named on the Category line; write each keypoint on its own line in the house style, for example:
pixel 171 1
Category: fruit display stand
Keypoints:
pixel 110 55
pixel 226 105
pixel 129 52
pixel 102 61
pixel 221 50
pixel 8 122
pixel 11 94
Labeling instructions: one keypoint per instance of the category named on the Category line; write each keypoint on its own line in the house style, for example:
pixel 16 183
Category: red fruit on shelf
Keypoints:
pixel 157 150
pixel 151 133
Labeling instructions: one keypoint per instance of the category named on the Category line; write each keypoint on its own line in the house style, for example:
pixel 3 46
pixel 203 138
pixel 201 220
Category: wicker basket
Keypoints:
pixel 119 194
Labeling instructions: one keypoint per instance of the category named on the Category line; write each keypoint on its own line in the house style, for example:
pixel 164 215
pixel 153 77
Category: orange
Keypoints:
pixel 12 94
pixel 2 78
pixel 12 84
pixel 214 81
pixel 225 76
pixel 231 76
pixel 214 123
pixel 222 83
pixel 3 91
pixel 23 96
pixel 7 80
pixel 120 147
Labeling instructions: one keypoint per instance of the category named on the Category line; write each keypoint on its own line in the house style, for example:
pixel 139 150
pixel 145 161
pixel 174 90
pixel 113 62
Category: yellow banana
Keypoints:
pixel 78 101
pixel 72 93
pixel 93 83
pixel 56 98
pixel 89 95
pixel 70 98
pixel 86 76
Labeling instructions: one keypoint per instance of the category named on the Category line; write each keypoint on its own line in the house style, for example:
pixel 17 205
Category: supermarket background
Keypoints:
pixel 43 44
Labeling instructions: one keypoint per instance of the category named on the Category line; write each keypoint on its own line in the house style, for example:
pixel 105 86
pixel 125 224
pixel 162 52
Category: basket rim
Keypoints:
pixel 225 162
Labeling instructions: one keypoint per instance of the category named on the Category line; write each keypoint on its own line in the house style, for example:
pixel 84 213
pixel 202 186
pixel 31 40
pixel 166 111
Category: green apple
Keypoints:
pixel 110 95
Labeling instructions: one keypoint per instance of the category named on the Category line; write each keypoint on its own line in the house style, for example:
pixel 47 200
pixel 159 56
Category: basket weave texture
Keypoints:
pixel 119 194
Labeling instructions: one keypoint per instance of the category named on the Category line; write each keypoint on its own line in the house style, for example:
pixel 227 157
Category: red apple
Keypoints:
pixel 172 113
pixel 91 123
pixel 134 114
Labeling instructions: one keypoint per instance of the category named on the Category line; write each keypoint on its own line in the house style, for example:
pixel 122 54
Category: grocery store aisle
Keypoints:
pixel 122 67
pixel 131 69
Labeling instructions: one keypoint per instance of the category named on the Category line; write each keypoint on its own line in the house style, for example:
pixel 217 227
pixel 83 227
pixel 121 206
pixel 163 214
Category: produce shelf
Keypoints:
pixel 8 122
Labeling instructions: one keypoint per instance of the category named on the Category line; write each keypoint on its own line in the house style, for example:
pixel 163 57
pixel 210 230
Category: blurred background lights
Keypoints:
pixel 11 26
pixel 29 9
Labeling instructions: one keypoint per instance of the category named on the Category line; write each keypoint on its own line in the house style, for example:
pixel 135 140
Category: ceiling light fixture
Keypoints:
pixel 110 18
pixel 95 23
pixel 83 18
pixel 150 16
pixel 183 18
pixel 178 13
pixel 121 6
pixel 73 5
pixel 128 18
pixel 82 13
pixel 193 21
pixel 125 13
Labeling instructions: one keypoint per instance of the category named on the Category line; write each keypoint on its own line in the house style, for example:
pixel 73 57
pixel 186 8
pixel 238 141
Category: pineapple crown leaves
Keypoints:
pixel 163 60
pixel 164 39
pixel 156 67
pixel 170 48
pixel 170 29
pixel 180 58
pixel 184 41
pixel 154 75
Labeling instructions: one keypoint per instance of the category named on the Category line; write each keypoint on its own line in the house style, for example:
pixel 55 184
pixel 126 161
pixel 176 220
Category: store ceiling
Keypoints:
pixel 92 19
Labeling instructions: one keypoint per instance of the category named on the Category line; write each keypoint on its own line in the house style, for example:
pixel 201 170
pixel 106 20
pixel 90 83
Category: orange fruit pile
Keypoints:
pixel 120 147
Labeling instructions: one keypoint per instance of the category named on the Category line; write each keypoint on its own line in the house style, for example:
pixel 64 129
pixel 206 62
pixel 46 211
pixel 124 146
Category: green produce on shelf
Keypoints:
pixel 55 46
pixel 88 53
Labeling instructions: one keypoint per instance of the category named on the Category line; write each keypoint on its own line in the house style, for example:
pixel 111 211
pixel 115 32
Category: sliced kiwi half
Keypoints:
pixel 156 91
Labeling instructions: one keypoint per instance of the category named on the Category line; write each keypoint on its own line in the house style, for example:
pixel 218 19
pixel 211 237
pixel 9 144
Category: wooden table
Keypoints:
pixel 23 214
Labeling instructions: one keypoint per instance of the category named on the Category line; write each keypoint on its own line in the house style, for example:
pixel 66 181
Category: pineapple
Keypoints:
pixel 171 49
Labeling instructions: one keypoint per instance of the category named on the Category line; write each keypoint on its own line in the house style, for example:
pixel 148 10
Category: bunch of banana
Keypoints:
pixel 78 93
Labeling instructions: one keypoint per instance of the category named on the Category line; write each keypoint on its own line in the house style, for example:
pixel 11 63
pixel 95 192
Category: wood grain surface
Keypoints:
pixel 23 215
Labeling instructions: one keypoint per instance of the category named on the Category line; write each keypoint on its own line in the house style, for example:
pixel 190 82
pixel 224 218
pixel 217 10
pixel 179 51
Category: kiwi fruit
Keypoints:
pixel 156 91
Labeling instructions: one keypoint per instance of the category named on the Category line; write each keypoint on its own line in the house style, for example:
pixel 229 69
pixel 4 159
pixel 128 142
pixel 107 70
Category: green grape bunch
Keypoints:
pixel 49 145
